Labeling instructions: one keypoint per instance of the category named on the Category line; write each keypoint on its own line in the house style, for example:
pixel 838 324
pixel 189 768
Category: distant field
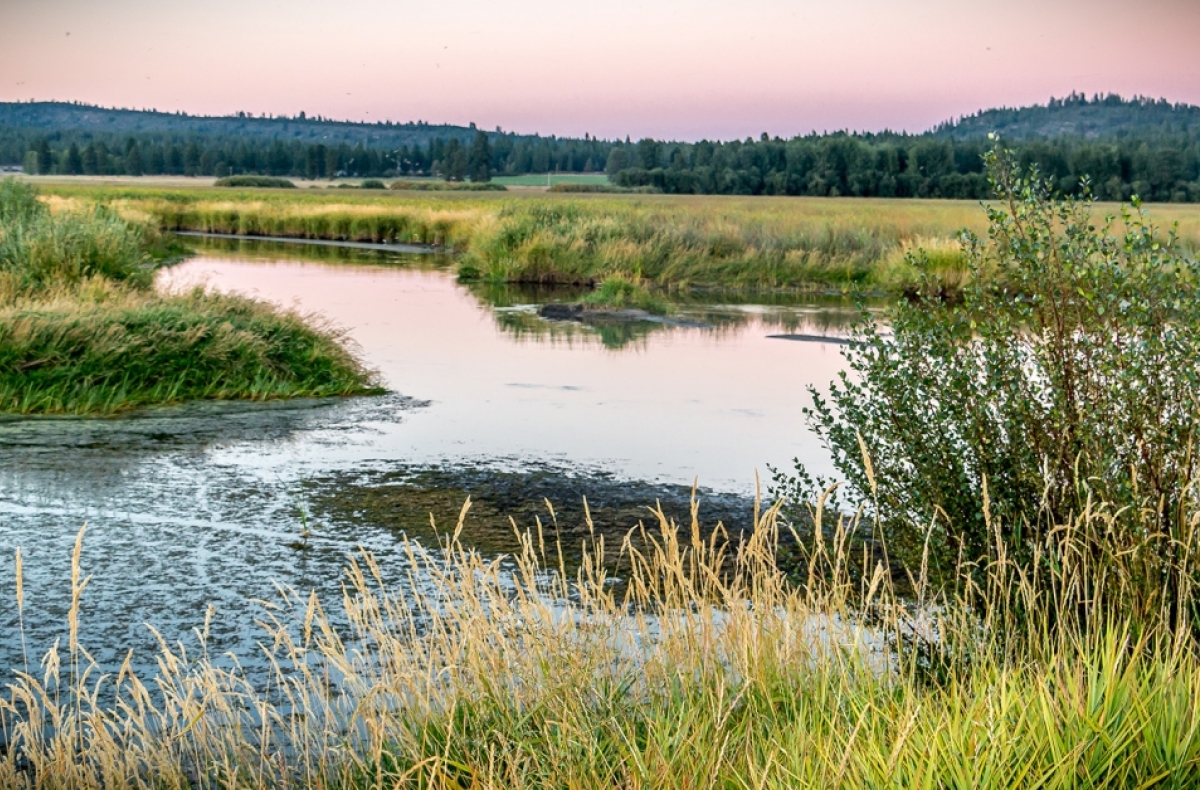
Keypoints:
pixel 842 244
pixel 547 180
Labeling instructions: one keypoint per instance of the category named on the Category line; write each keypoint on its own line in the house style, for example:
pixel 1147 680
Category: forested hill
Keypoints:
pixel 1148 148
pixel 55 118
pixel 1098 118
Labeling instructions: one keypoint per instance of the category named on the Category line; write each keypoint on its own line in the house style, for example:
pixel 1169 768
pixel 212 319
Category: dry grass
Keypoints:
pixel 707 666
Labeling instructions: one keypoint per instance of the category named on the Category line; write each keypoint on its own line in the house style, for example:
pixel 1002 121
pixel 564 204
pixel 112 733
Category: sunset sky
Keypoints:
pixel 681 69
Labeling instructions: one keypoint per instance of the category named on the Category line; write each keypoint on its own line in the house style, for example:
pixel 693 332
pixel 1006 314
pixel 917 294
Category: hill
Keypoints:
pixel 1108 117
pixel 57 117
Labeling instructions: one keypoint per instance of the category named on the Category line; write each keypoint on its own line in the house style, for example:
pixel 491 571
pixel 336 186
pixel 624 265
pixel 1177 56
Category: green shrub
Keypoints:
pixel 255 181
pixel 373 183
pixel 1068 374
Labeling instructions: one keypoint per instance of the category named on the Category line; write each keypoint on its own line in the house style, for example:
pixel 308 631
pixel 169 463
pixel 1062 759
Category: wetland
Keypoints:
pixel 210 503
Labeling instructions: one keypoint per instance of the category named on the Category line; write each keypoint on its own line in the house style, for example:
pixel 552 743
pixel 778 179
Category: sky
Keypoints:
pixel 673 69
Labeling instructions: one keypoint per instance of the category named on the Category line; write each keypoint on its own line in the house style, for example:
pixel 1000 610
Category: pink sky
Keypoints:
pixel 682 69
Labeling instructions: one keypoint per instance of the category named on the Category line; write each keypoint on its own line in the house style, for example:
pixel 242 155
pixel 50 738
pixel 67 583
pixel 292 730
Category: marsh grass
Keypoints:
pixel 100 349
pixel 82 332
pixel 707 666
pixel 857 245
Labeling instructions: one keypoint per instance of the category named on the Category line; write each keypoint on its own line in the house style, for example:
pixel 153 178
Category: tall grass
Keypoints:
pixel 658 241
pixel 39 249
pixel 706 666
pixel 101 350
pixel 81 331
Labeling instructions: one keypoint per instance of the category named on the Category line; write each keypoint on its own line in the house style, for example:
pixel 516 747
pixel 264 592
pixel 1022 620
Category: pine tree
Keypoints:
pixel 480 165
pixel 91 160
pixel 45 161
pixel 454 161
pixel 74 163
pixel 133 158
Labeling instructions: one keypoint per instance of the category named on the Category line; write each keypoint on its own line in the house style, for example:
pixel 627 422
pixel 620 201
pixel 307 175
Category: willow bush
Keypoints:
pixel 1067 374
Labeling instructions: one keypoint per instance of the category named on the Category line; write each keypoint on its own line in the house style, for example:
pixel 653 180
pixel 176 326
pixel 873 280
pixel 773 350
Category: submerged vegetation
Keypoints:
pixel 83 332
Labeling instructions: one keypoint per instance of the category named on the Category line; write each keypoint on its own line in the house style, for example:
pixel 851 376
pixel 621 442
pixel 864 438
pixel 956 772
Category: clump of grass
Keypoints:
pixel 82 332
pixel 568 186
pixel 41 250
pixel 267 182
pixel 703 665
pixel 617 292
pixel 101 349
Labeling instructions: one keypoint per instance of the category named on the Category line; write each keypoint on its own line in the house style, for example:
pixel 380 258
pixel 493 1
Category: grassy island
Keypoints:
pixel 83 332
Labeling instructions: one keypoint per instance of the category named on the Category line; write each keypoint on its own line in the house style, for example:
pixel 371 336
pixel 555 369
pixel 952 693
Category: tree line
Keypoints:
pixel 1155 167
pixel 65 153
pixel 1143 147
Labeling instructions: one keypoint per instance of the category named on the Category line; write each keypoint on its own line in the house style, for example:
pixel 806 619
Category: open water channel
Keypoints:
pixel 203 505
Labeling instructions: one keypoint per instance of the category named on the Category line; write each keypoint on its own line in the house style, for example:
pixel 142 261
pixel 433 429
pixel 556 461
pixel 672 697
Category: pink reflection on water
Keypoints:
pixel 681 403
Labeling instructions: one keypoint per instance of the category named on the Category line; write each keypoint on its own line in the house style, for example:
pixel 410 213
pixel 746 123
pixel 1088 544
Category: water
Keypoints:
pixel 201 505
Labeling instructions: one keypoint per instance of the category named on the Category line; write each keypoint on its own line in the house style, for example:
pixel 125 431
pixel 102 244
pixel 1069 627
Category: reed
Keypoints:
pixel 707 665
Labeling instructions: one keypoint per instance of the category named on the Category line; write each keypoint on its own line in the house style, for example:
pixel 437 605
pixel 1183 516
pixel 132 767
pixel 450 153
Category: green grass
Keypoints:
pixel 266 182
pixel 83 332
pixel 550 179
pixel 446 186
pixel 101 350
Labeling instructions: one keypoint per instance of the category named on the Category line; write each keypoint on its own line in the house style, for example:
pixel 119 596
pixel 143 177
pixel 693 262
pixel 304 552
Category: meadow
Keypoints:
pixel 660 242
pixel 83 332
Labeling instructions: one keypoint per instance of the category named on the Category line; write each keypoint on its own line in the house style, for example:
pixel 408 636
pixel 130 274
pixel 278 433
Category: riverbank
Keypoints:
pixel 707 667
pixel 648 242
pixel 83 332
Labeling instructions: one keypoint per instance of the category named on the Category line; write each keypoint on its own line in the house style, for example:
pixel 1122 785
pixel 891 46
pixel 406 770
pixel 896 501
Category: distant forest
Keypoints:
pixel 1140 146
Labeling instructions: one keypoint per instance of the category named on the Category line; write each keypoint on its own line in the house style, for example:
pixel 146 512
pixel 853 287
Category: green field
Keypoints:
pixel 550 179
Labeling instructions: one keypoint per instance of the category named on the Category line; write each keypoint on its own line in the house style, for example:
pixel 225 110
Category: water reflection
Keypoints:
pixel 201 505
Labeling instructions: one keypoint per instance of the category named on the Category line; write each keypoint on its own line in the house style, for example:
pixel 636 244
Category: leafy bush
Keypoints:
pixel 1068 374
pixel 255 181
pixel 373 183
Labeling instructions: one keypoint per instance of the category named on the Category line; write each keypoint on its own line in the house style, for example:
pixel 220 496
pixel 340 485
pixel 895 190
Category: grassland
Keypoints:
pixel 661 242
pixel 83 332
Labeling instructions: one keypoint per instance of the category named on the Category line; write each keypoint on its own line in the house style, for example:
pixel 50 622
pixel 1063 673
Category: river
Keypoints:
pixel 208 505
